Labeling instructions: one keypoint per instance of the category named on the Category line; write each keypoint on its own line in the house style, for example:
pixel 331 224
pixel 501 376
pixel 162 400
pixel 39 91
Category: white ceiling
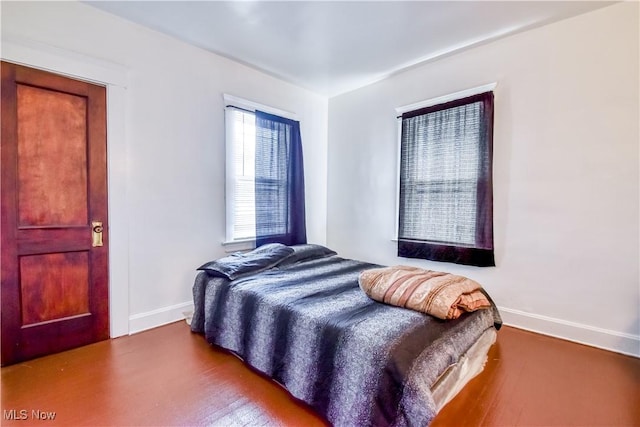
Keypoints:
pixel 331 47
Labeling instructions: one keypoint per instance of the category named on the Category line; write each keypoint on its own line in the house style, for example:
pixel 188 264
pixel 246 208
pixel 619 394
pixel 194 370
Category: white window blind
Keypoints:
pixel 240 145
pixel 440 153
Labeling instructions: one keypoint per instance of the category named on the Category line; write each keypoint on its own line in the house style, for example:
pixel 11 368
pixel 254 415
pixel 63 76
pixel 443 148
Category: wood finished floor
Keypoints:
pixel 168 376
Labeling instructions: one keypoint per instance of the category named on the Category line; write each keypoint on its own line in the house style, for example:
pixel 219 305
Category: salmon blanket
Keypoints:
pixel 443 295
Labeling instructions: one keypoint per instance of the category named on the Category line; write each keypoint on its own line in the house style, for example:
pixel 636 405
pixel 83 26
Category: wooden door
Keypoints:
pixel 54 283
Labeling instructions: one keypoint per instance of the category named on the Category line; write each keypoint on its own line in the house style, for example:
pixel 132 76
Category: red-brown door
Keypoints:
pixel 53 187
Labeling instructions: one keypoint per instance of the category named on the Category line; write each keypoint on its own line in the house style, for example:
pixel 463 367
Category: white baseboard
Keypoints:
pixel 619 342
pixel 152 319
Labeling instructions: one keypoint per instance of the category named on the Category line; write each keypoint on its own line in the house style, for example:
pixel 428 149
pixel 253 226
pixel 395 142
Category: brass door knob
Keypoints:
pixel 96 233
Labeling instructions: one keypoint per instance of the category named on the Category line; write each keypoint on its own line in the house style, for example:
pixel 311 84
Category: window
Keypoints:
pixel 264 176
pixel 446 200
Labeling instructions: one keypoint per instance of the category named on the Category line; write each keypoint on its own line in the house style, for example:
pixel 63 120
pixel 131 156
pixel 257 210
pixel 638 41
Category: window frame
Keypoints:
pixel 438 251
pixel 231 243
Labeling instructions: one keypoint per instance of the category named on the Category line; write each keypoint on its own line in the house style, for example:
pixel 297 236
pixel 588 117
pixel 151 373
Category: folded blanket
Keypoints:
pixel 439 294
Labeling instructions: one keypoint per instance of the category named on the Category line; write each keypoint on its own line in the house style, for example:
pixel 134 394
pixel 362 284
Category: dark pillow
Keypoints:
pixel 306 252
pixel 242 264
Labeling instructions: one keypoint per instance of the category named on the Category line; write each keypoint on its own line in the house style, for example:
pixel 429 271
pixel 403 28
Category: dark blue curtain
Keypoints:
pixel 279 181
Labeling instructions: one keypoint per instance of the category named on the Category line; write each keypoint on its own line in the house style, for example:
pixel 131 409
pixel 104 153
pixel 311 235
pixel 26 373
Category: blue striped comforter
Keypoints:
pixel 310 327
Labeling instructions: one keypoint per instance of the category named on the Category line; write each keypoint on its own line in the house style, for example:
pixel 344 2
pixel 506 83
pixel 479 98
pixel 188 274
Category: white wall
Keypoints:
pixel 173 145
pixel 565 173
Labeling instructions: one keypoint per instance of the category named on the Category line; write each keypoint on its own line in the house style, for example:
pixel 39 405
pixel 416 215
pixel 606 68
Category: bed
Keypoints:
pixel 304 321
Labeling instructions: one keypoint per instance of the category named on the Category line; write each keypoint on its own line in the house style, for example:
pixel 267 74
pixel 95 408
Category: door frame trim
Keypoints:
pixel 114 77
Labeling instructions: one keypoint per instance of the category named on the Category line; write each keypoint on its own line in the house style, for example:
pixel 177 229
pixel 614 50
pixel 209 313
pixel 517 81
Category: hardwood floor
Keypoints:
pixel 535 380
pixel 168 376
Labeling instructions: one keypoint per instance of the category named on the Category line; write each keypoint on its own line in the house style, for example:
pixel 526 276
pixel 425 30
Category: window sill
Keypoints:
pixel 239 245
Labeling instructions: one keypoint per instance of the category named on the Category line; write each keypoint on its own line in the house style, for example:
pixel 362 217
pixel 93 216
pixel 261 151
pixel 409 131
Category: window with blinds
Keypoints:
pixel 241 160
pixel 446 201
